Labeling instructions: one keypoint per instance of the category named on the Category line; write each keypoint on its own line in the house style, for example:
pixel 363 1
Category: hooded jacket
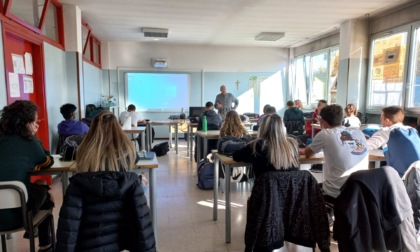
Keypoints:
pixel 105 211
pixel 72 127
pixel 214 121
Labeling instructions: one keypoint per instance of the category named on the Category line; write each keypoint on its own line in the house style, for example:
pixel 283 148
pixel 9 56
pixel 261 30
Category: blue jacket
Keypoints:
pixel 72 127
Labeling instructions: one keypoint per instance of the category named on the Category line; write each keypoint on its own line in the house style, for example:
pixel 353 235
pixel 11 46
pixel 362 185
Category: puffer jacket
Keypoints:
pixel 412 184
pixel 105 211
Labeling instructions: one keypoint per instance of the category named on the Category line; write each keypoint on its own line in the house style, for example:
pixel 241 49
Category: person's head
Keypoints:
pixel 392 115
pixel 321 104
pixel 131 107
pixel 265 108
pixel 19 118
pixel 209 105
pixel 332 115
pixel 282 150
pixel 298 104
pixel 223 89
pixel 290 104
pixel 232 125
pixel 350 110
pixel 270 110
pixel 68 111
pixel 105 147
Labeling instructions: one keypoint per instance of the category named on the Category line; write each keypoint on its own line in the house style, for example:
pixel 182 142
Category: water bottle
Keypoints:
pixel 204 128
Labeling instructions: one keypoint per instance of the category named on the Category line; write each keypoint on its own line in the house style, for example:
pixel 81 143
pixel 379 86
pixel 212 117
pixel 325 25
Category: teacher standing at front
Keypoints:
pixel 224 102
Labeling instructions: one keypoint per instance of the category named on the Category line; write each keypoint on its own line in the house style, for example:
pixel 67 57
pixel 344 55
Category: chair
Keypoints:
pixel 411 181
pixel 286 206
pixel 61 139
pixel 295 128
pixel 13 194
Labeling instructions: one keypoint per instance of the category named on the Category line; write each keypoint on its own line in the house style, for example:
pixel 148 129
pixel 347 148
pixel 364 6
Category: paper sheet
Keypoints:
pixel 28 85
pixel 18 65
pixel 28 64
pixel 14 85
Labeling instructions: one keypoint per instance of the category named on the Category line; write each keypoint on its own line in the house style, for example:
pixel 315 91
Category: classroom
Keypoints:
pixel 166 57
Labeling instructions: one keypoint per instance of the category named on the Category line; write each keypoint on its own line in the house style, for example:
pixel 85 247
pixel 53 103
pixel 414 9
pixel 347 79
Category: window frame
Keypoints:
pixel 410 66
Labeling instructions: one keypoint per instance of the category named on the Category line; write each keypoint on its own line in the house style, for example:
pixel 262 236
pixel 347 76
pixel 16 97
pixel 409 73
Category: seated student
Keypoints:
pixel 71 126
pixel 22 152
pixel 131 116
pixel 401 143
pixel 351 119
pixel 268 111
pixel 315 119
pixel 232 125
pixel 266 106
pixel 298 104
pixel 214 121
pixel 344 149
pixel 293 119
pixel 105 208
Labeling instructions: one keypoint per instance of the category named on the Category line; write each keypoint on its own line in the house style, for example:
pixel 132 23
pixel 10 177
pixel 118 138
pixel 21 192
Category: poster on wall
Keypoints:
pixel 18 64
pixel 28 64
pixel 28 85
pixel 14 85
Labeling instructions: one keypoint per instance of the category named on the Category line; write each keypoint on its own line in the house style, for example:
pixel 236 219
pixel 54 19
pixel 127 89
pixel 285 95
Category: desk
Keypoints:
pixel 65 167
pixel 138 130
pixel 315 126
pixel 157 123
pixel 228 162
pixel 211 134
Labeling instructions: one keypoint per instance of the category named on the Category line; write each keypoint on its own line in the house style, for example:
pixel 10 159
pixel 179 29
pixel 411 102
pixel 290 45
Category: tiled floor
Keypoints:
pixel 184 212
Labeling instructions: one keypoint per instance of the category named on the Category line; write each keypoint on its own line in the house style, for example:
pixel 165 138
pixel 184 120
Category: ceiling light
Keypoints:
pixel 269 36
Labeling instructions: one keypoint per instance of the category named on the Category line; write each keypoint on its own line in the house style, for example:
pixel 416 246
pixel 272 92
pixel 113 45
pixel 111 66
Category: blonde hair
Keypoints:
pixel 105 147
pixel 283 151
pixel 232 125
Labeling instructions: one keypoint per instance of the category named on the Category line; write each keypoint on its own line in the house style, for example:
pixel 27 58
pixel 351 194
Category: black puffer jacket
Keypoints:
pixel 214 121
pixel 105 211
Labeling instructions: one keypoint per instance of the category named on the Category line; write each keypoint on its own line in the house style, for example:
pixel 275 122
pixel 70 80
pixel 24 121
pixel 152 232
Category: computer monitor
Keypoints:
pixel 196 111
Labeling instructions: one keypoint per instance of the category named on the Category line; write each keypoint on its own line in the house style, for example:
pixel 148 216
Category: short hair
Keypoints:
pixel 265 107
pixel 290 104
pixel 105 147
pixel 209 104
pixel 67 110
pixel 332 114
pixel 322 101
pixel 131 107
pixel 271 110
pixel 394 113
pixel 15 117
pixel 350 109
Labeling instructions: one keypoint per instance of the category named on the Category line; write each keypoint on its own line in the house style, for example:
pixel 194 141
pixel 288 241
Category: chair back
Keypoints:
pixel 61 139
pixel 13 194
pixel 294 127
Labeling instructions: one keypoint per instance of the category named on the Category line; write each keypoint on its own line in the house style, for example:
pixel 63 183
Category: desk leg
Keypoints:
pixel 188 141
pixel 215 187
pixel 176 138
pixel 227 202
pixel 143 140
pixel 170 136
pixel 149 137
pixel 152 198
pixel 205 147
pixel 64 181
pixel 198 154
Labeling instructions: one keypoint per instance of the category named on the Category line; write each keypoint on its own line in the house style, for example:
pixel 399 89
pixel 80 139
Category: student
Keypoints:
pixel 298 104
pixel 402 151
pixel 131 114
pixel 232 125
pixel 224 102
pixel 293 118
pixel 344 149
pixel 266 106
pixel 20 153
pixel 351 119
pixel 272 150
pixel 104 194
pixel 315 115
pixel 71 126
pixel 214 121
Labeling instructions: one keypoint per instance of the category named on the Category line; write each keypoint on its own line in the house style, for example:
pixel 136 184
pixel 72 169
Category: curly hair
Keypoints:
pixel 14 119
pixel 232 125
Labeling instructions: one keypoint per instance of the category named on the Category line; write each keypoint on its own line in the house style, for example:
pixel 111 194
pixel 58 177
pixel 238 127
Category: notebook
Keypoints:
pixel 146 155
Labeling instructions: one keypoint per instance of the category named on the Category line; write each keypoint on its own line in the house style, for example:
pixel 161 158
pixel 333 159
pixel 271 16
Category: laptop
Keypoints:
pixel 193 119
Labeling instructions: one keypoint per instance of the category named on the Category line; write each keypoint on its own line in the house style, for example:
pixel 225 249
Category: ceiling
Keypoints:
pixel 224 22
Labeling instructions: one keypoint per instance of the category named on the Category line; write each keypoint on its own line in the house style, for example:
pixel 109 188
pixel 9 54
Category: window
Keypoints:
pixel 91 45
pixel 414 80
pixel 387 70
pixel 314 77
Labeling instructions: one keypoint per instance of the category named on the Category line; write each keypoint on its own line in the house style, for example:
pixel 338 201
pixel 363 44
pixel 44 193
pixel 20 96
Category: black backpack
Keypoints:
pixel 228 145
pixel 161 149
pixel 69 148
pixel 205 174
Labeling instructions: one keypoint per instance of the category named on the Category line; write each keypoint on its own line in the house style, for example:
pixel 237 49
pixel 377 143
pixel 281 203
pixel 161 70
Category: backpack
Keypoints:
pixel 228 145
pixel 161 149
pixel 403 149
pixel 205 174
pixel 69 148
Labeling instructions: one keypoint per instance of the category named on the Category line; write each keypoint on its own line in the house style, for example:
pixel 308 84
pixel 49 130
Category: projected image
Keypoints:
pixel 158 91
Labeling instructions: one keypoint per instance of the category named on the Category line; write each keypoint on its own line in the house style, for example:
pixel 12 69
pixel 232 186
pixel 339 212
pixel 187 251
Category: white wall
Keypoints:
pixel 92 84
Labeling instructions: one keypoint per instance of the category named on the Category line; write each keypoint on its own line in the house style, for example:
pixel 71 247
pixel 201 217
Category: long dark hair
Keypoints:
pixel 14 119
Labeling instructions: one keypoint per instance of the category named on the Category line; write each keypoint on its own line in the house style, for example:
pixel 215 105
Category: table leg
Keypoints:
pixel 205 147
pixel 149 137
pixel 198 154
pixel 143 140
pixel 152 198
pixel 188 141
pixel 227 202
pixel 176 138
pixel 170 136
pixel 215 187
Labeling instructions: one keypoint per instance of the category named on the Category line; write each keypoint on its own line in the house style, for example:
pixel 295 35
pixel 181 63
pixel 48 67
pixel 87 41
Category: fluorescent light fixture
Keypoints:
pixel 269 36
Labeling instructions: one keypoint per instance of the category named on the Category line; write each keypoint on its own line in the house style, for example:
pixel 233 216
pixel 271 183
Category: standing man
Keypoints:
pixel 224 102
